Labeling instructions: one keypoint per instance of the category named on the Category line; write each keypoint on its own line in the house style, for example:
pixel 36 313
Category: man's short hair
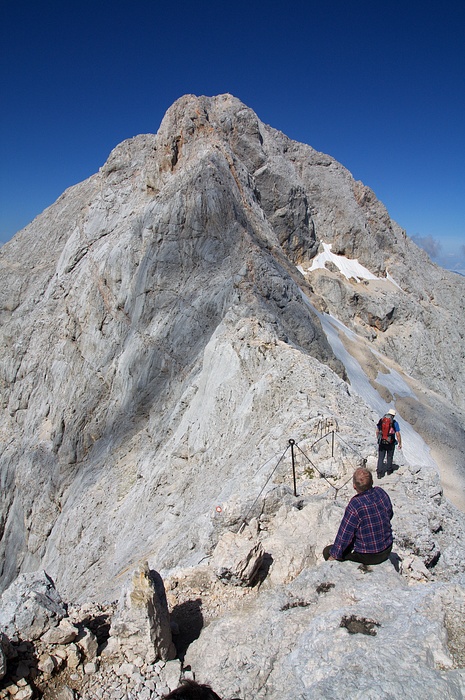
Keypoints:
pixel 190 690
pixel 363 480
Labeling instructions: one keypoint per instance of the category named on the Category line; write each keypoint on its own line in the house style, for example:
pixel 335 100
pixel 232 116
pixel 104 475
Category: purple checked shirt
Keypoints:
pixel 366 525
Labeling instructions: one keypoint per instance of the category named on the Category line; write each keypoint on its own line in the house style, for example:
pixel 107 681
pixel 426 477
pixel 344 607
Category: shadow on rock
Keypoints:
pixel 100 626
pixel 387 472
pixel 395 561
pixel 188 622
pixel 264 569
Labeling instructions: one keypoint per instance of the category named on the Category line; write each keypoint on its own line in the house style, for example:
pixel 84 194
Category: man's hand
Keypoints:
pixel 332 558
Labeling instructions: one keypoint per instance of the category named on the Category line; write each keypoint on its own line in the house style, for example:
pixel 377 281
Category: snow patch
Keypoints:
pixel 394 381
pixel 349 268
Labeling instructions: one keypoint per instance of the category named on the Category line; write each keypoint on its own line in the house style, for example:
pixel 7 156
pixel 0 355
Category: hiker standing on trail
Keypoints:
pixel 365 533
pixel 388 435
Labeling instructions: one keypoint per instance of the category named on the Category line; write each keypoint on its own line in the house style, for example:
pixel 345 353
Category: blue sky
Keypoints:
pixel 378 85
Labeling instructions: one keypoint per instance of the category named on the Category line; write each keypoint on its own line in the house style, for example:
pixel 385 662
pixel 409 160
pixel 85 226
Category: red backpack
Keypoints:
pixel 387 430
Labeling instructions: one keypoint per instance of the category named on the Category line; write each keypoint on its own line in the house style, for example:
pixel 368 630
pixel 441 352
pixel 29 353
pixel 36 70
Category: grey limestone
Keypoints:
pixel 163 334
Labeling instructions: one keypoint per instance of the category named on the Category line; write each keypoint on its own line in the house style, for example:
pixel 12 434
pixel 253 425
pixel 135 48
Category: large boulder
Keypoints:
pixel 237 558
pixel 30 607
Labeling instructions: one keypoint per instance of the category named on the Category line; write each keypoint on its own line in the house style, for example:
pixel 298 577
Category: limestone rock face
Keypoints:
pixel 163 334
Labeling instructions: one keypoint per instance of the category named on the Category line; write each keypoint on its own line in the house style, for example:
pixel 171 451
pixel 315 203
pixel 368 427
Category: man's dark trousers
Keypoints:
pixel 388 451
pixel 375 558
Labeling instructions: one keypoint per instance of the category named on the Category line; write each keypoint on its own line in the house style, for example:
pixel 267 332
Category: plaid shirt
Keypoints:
pixel 366 525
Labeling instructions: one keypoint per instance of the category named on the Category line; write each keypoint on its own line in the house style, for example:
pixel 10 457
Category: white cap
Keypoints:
pixel 391 412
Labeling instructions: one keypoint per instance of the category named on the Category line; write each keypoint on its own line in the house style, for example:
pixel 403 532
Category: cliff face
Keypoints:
pixel 161 340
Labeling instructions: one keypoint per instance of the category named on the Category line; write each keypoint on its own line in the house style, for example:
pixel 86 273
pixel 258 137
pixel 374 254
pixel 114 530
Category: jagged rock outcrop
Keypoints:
pixel 141 626
pixel 237 559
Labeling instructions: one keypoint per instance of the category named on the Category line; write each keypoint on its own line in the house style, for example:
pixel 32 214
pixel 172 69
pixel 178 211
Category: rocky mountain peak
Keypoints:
pixel 169 324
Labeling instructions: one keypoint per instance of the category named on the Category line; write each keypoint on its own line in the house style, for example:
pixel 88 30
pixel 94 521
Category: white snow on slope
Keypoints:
pixel 349 268
pixel 392 380
pixel 416 452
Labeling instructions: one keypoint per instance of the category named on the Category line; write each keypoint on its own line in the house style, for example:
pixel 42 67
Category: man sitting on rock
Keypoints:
pixel 365 533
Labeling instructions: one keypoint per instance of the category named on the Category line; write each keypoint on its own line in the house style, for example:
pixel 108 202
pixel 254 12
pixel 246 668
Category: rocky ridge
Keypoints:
pixel 297 625
pixel 167 326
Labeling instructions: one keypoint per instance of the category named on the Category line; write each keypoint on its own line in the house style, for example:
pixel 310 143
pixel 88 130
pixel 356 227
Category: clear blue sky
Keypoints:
pixel 378 85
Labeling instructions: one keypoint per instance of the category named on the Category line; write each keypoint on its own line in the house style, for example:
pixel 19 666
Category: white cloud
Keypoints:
pixel 431 245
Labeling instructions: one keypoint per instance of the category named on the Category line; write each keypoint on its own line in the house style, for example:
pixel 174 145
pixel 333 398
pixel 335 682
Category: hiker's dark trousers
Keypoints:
pixel 350 555
pixel 388 452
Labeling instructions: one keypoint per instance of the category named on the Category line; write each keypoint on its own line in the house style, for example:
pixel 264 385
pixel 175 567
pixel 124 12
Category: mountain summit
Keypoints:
pixel 162 337
pixel 170 323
